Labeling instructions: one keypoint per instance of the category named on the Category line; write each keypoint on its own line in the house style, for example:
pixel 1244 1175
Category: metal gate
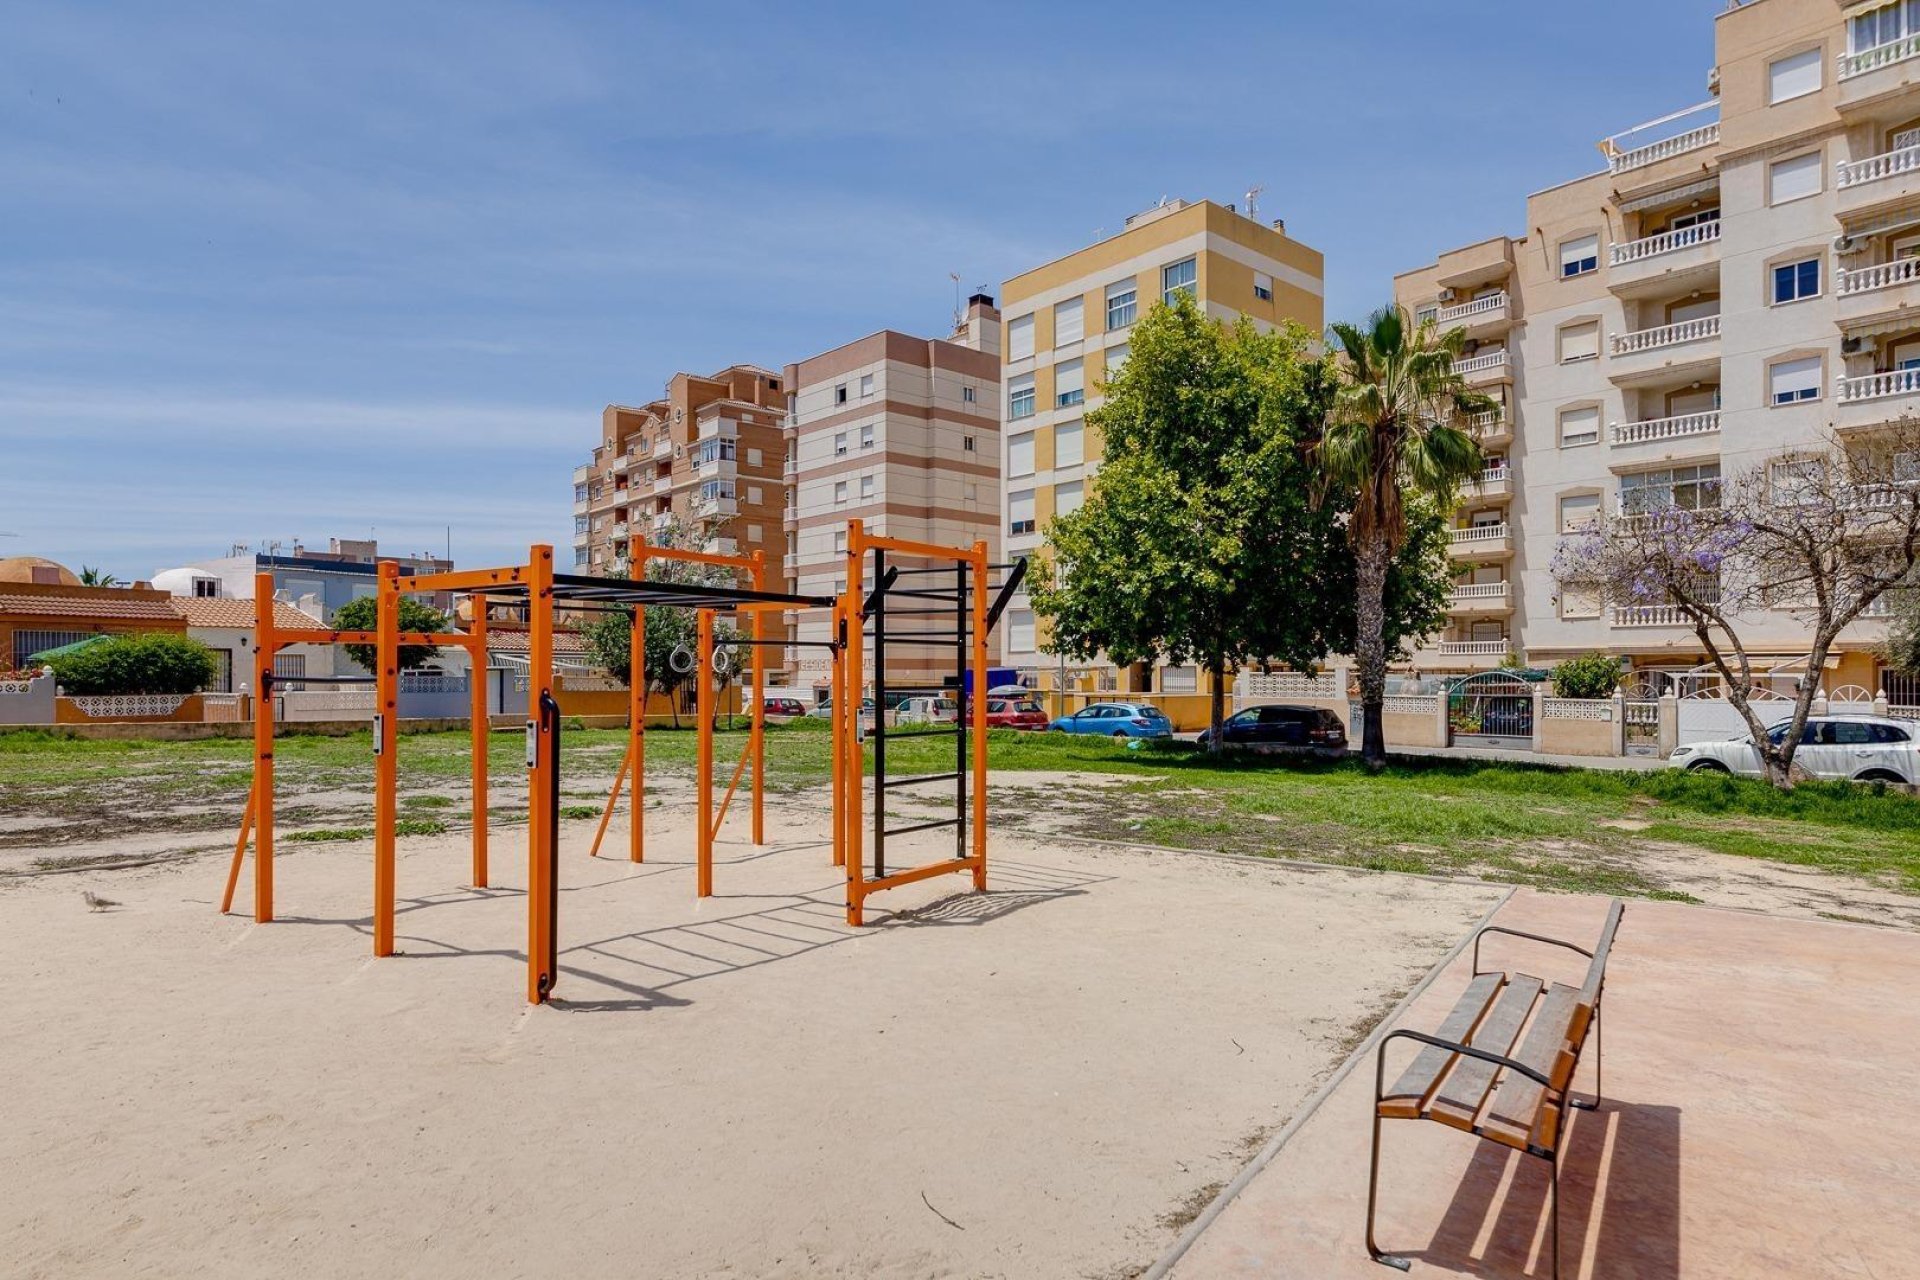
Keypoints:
pixel 1492 709
pixel 1643 717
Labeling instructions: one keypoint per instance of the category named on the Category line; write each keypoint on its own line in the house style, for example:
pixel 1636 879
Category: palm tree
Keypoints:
pixel 1389 435
pixel 92 577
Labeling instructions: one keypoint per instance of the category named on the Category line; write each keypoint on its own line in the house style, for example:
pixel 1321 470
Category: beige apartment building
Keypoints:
pixel 902 433
pixel 707 456
pixel 1741 278
pixel 1067 330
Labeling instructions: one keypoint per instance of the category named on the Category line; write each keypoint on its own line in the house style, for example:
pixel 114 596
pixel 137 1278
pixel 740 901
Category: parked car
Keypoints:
pixel 1863 748
pixel 1117 720
pixel 1015 713
pixel 825 710
pixel 1009 691
pixel 785 709
pixel 1282 728
pixel 926 710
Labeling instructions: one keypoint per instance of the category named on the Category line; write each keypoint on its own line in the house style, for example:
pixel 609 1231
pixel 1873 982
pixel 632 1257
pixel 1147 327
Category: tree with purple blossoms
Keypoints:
pixel 1820 535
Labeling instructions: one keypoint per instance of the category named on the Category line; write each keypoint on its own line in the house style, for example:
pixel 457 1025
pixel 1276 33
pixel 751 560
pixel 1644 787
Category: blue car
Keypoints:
pixel 1117 720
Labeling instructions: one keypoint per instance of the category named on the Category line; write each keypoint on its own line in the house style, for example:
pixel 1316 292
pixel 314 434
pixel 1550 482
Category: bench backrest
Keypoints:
pixel 1596 978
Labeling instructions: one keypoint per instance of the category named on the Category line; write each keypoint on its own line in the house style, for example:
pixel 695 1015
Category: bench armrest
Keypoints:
pixel 1530 937
pixel 1497 1059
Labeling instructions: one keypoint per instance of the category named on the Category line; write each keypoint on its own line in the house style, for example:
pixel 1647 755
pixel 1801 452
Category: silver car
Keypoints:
pixel 1861 748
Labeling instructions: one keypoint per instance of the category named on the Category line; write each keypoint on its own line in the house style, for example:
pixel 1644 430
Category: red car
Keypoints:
pixel 1008 713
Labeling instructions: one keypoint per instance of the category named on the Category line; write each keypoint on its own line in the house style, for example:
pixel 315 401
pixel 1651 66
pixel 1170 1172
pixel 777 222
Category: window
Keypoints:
pixel 966 444
pixel 1793 281
pixel 1426 314
pixel 1670 489
pixel 1069 444
pixel 579 526
pixel 1794 76
pixel 1794 178
pixel 866 486
pixel 209 588
pixel 755 457
pixel 753 533
pixel 1069 383
pixel 1580 342
pixel 1179 679
pixel 580 493
pixel 1796 482
pixel 840 394
pixel 1020 337
pixel 1579 511
pixel 1791 381
pixel 754 495
pixel 1577 257
pixel 1883 25
pixel 1177 278
pixel 866 436
pixel 1117 356
pixel 1020 397
pixel 839 444
pixel 840 542
pixel 1020 454
pixel 1122 303
pixel 1020 511
pixel 1263 286
pixel 839 493
pixel 290 667
pixel 966 395
pixel 1020 630
pixel 1067 498
pixel 579 555
pixel 1579 426
pixel 1069 321
pixel 866 385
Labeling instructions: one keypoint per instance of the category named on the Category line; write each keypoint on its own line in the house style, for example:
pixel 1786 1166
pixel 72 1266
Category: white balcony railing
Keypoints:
pixel 1483 362
pixel 1883 275
pixel 1493 476
pixel 1664 243
pixel 1881 55
pixel 663 484
pixel 1491 423
pixel 1650 615
pixel 1478 307
pixel 1675 428
pixel 1667 335
pixel 1665 149
pixel 662 448
pixel 1479 594
pixel 1888 164
pixel 1475 648
pixel 1878 386
pixel 662 520
pixel 1478 535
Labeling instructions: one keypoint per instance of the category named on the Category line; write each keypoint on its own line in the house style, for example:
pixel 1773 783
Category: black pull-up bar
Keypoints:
pixel 1011 585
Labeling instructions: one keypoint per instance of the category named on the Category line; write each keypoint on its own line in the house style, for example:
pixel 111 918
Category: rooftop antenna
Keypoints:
pixel 1253 197
pixel 957 317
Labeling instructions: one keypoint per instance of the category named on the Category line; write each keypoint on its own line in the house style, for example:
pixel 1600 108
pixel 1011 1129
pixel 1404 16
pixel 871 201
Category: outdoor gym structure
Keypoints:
pixel 925 581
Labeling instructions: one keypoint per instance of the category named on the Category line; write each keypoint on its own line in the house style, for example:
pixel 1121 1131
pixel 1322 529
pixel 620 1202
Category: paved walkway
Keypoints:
pixel 1759 1121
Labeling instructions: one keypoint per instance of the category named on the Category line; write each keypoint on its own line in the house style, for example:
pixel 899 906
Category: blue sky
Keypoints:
pixel 278 271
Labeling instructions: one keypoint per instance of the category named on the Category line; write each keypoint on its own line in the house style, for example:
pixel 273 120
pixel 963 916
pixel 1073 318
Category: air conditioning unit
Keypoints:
pixel 1844 244
pixel 1446 295
pixel 1852 346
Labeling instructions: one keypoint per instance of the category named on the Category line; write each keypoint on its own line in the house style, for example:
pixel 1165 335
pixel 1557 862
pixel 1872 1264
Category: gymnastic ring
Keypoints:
pixel 681 659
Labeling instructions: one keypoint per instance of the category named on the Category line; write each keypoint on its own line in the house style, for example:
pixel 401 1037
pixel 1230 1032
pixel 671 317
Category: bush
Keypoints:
pixel 364 615
pixel 151 663
pixel 1594 675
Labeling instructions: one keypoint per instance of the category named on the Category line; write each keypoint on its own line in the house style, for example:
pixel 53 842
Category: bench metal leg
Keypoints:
pixel 1373 1167
pixel 1554 1192
pixel 1598 1057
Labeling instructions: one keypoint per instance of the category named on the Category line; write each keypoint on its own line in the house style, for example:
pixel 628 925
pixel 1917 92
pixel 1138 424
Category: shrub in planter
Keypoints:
pixel 150 663
pixel 1593 675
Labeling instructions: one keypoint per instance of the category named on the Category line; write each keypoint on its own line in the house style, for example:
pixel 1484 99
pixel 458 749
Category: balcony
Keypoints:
pixel 662 485
pixel 1870 75
pixel 1874 399
pixel 1653 153
pixel 662 448
pixel 1878 294
pixel 1491 429
pixel 1670 262
pixel 1480 541
pixel 721 547
pixel 1492 483
pixel 1650 615
pixel 791 467
pixel 1482 315
pixel 1880 386
pixel 1476 264
pixel 1876 182
pixel 1655 430
pixel 718 429
pixel 1474 648
pixel 662 521
pixel 1482 597
pixel 1484 369
pixel 714 468
pixel 1671 351
pixel 710 508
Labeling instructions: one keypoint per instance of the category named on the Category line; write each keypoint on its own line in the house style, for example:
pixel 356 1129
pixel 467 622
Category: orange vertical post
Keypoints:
pixel 703 767
pixel 542 892
pixel 265 644
pixel 837 703
pixel 854 776
pixel 758 731
pixel 386 765
pixel 637 715
pixel 482 729
pixel 978 705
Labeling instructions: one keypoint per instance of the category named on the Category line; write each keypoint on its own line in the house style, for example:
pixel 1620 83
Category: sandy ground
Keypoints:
pixel 1037 1082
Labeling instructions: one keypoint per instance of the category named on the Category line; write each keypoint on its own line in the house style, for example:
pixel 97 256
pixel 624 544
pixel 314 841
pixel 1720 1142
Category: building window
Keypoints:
pixel 1068 498
pixel 966 444
pixel 1122 303
pixel 866 436
pixel 1069 383
pixel 1579 601
pixel 1178 278
pixel 754 494
pixel 1791 381
pixel 755 457
pixel 209 588
pixel 839 493
pixel 966 395
pixel 580 493
pixel 1580 342
pixel 866 486
pixel 1579 256
pixel 1116 357
pixel 1069 444
pixel 839 444
pixel 1426 313
pixel 1020 454
pixel 1020 337
pixel 1884 25
pixel 1671 489
pixel 1020 397
pixel 1263 286
pixel 1579 511
pixel 1579 426
pixel 579 526
pixel 866 385
pixel 1794 178
pixel 840 394
pixel 1020 630
pixel 840 542
pixel 1794 281
pixel 1069 321
pixel 1794 76
pixel 1020 512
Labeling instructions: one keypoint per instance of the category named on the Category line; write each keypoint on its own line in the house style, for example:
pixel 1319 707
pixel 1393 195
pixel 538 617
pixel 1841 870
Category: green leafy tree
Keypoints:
pixel 92 577
pixel 363 615
pixel 1201 542
pixel 1391 433
pixel 151 662
pixel 1592 675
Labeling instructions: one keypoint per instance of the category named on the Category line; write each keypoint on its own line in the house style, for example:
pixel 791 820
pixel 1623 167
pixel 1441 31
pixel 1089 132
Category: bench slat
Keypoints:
pixel 1596 971
pixel 1409 1094
pixel 1514 1114
pixel 1467 1084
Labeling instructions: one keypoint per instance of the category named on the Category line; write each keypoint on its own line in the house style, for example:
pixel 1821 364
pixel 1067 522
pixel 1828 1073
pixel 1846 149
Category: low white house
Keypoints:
pixel 226 626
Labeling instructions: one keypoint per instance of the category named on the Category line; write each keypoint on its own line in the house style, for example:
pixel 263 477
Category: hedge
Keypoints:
pixel 154 662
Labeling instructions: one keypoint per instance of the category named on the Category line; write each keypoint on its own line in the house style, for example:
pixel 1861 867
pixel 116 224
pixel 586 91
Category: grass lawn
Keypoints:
pixel 1574 829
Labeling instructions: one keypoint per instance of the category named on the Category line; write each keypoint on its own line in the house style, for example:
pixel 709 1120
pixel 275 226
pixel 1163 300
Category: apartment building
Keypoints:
pixel 902 433
pixel 1740 279
pixel 706 456
pixel 1067 331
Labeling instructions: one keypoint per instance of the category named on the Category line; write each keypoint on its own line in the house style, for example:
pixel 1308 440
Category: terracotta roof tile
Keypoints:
pixel 89 607
pixel 200 611
pixel 516 641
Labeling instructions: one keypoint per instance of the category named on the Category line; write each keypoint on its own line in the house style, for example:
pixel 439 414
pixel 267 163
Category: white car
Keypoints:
pixel 1862 748
pixel 927 711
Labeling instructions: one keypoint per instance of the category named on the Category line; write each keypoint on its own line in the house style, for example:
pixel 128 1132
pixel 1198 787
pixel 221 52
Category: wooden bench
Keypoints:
pixel 1470 1075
